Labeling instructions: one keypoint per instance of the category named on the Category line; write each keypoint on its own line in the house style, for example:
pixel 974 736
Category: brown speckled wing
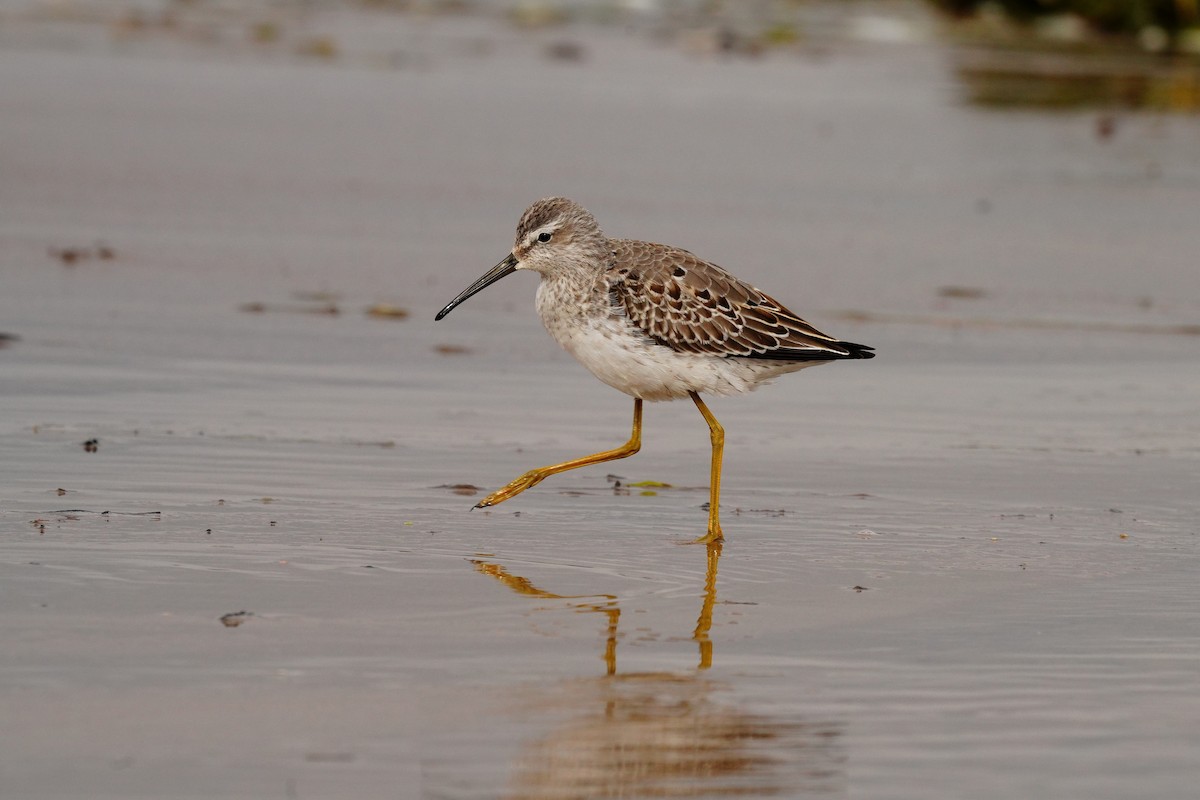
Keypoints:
pixel 693 306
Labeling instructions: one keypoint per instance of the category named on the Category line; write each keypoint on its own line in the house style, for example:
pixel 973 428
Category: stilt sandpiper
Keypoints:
pixel 655 322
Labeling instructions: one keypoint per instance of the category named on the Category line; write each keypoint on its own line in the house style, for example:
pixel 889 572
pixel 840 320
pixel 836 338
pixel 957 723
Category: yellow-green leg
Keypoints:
pixel 536 476
pixel 717 435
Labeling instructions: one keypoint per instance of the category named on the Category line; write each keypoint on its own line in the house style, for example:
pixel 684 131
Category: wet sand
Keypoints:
pixel 966 568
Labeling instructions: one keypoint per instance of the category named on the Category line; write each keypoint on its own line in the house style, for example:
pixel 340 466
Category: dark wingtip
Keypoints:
pixel 796 354
pixel 858 350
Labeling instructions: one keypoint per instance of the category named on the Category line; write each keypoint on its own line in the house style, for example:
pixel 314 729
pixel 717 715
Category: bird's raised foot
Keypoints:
pixel 514 488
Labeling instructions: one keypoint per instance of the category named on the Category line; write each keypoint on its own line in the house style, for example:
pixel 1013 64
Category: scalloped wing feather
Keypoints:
pixel 693 306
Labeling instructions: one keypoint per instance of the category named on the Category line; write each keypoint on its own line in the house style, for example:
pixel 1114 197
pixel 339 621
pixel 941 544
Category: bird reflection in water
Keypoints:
pixel 602 603
pixel 662 734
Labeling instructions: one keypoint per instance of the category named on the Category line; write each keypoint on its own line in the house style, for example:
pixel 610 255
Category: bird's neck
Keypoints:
pixel 569 294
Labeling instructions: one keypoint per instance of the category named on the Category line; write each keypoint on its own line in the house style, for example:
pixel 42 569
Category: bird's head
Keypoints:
pixel 554 237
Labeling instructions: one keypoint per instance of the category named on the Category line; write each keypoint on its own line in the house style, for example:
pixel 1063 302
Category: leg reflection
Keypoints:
pixel 704 623
pixel 606 606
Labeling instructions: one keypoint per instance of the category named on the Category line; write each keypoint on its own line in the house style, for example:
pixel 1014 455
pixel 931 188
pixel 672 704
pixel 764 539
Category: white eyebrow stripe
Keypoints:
pixel 549 227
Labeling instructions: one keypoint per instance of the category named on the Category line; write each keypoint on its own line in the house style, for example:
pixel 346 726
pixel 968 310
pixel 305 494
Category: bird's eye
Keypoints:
pixel 543 237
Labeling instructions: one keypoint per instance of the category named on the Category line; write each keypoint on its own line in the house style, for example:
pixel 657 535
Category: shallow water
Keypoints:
pixel 964 568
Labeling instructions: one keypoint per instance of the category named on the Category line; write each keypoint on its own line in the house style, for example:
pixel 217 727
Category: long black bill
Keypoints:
pixel 506 267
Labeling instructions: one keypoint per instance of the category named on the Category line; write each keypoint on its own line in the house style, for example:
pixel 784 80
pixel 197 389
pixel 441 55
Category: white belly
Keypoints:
pixel 623 357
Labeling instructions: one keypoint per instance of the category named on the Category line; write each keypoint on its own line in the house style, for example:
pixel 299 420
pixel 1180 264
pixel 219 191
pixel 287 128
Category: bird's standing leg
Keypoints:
pixel 536 476
pixel 717 435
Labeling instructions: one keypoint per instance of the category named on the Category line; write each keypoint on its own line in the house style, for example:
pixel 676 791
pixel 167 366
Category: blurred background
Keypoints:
pixel 237 452
pixel 887 158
